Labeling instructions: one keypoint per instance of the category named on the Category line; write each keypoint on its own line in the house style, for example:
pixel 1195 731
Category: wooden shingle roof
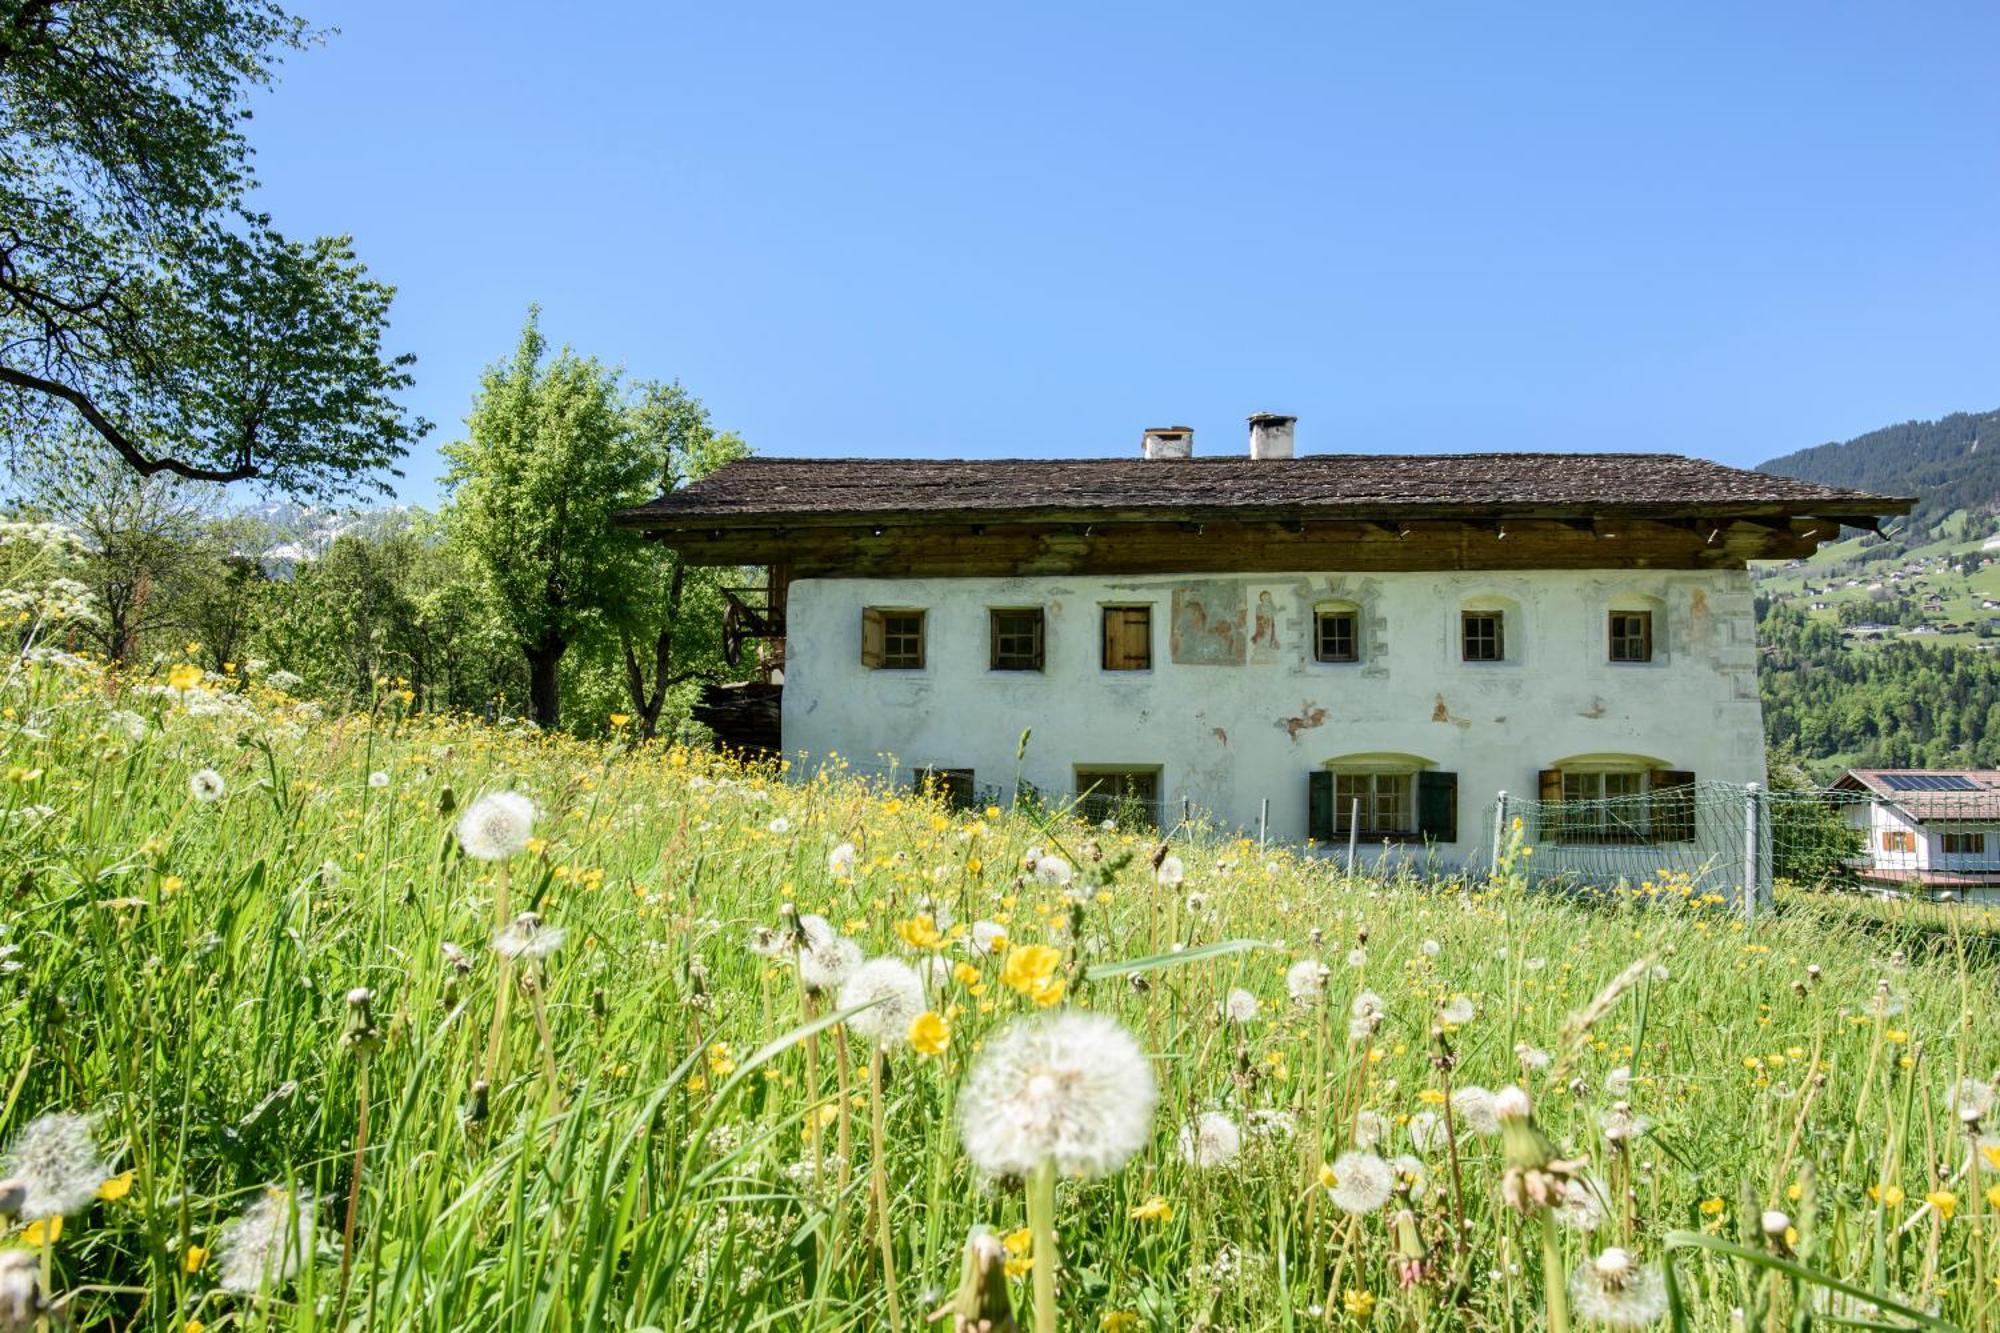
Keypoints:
pixel 848 490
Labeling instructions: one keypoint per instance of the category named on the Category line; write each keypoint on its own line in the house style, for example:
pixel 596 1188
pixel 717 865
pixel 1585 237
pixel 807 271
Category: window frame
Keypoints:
pixel 1947 837
pixel 1036 659
pixel 1371 826
pixel 913 660
pixel 1466 616
pixel 1322 615
pixel 1585 819
pixel 1097 807
pixel 1899 841
pixel 1122 610
pixel 1643 640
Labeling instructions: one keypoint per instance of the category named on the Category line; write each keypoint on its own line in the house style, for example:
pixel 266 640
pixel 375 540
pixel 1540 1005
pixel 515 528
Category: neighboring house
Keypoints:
pixel 1373 640
pixel 1928 831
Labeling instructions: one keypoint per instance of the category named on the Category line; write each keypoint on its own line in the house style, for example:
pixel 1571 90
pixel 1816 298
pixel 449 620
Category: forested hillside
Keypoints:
pixel 1949 464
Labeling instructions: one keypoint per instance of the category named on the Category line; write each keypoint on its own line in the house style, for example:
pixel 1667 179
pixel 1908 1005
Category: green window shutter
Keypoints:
pixel 1672 806
pixel 1437 806
pixel 1319 806
pixel 1549 783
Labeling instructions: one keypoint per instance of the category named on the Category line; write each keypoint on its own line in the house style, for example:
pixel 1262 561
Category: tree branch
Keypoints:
pixel 143 464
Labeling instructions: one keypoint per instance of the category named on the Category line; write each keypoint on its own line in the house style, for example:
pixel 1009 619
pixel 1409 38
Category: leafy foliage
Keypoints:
pixel 139 296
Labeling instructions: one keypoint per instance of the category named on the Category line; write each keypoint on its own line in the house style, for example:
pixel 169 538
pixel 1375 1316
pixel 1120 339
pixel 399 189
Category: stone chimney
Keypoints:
pixel 1271 435
pixel 1168 442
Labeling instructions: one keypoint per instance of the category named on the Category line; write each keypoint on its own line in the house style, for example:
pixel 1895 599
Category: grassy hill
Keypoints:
pixel 311 1071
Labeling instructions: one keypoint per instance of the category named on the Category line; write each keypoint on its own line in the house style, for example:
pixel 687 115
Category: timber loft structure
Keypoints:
pixel 1359 513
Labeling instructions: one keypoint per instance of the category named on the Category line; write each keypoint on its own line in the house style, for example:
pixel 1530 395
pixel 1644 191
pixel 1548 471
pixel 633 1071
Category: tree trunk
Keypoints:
pixel 544 690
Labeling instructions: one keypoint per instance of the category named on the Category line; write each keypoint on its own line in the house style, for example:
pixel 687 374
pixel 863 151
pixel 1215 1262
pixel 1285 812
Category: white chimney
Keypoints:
pixel 1168 442
pixel 1271 435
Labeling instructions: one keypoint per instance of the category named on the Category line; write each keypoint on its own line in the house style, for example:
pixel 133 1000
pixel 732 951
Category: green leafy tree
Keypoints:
pixel 139 295
pixel 550 455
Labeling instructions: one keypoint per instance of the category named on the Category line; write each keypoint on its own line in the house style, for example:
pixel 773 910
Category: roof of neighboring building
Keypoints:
pixel 1932 795
pixel 848 489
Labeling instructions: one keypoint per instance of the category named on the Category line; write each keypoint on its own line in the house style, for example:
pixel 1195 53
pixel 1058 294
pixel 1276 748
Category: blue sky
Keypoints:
pixel 1031 231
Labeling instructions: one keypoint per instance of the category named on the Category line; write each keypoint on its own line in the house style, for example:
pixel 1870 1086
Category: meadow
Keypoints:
pixel 377 1021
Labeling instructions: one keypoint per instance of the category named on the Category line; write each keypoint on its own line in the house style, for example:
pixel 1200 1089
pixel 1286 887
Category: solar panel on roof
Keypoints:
pixel 1928 782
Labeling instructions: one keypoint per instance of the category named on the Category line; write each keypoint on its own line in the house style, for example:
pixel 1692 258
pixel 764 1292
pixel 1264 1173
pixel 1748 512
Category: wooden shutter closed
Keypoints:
pixel 1551 785
pixel 1319 806
pixel 871 638
pixel 1128 638
pixel 1437 806
pixel 1672 812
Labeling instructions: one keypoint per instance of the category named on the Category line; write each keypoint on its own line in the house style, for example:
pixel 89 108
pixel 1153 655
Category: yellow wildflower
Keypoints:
pixel 195 1257
pixel 919 932
pixel 1360 1304
pixel 1154 1209
pixel 184 677
pixel 1944 1201
pixel 117 1187
pixel 929 1033
pixel 39 1233
pixel 1030 971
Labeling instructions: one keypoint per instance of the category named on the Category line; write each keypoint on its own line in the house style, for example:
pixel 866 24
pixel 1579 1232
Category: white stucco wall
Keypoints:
pixel 1226 736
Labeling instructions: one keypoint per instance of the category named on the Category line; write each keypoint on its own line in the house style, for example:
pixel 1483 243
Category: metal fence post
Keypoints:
pixel 1752 854
pixel 1263 820
pixel 1499 831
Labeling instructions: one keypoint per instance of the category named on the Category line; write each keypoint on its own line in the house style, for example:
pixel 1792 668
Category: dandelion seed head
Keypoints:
pixel 1458 1011
pixel 1071 1087
pixel 205 785
pixel 1426 1129
pixel 1239 1006
pixel 1210 1141
pixel 54 1165
pixel 1473 1107
pixel 1053 870
pixel 840 861
pixel 987 936
pixel 1306 981
pixel 1532 1059
pixel 1616 1290
pixel 1581 1203
pixel 496 826
pixel 1618 1083
pixel 826 959
pixel 1511 1103
pixel 1362 1182
pixel 1370 1128
pixel 895 994
pixel 529 938
pixel 1171 872
pixel 264 1245
pixel 1969 1099
pixel 378 779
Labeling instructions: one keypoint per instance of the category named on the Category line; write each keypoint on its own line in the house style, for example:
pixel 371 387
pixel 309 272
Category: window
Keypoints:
pixel 1392 804
pixel 1128 638
pixel 1617 805
pixel 1481 636
pixel 952 786
pixel 1016 639
pixel 1899 840
pixel 1962 844
pixel 1380 801
pixel 1334 638
pixel 892 640
pixel 1130 796
pixel 1631 636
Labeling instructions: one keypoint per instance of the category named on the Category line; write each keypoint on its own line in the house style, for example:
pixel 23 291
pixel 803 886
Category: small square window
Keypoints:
pixel 1334 638
pixel 1127 795
pixel 1899 841
pixel 892 640
pixel 1128 638
pixel 1016 640
pixel 1631 636
pixel 1380 800
pixel 1482 636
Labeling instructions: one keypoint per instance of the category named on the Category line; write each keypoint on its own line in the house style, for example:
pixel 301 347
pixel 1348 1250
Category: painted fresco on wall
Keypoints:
pixel 1209 623
pixel 1264 628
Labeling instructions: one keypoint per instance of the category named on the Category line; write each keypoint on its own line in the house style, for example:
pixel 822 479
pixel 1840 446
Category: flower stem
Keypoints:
pixel 878 1161
pixel 1042 1226
pixel 1555 1291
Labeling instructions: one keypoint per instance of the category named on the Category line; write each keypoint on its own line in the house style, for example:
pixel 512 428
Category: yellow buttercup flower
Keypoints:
pixel 39 1233
pixel 1030 970
pixel 919 932
pixel 185 676
pixel 117 1187
pixel 195 1257
pixel 1154 1209
pixel 929 1033
pixel 1944 1201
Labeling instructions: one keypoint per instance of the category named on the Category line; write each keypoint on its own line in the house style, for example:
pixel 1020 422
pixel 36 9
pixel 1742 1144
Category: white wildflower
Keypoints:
pixel 988 937
pixel 1370 1128
pixel 1270 1124
pixel 1618 1083
pixel 1054 870
pixel 206 785
pixel 378 779
pixel 780 825
pixel 1364 1015
pixel 1171 872
pixel 1306 981
pixel 1533 1059
pixel 1969 1099
pixel 840 861
pixel 1581 1203
pixel 1457 1011
pixel 1071 1087
pixel 528 938
pixel 1239 1006
pixel 1426 1130
pixel 1472 1107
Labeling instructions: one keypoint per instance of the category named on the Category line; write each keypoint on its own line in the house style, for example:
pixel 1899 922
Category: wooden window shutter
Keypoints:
pixel 993 640
pixel 1139 637
pixel 871 638
pixel 1319 806
pixel 1551 830
pixel 1672 812
pixel 1437 806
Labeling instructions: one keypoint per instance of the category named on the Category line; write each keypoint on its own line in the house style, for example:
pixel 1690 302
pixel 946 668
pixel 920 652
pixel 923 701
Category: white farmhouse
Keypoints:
pixel 1930 831
pixel 1330 643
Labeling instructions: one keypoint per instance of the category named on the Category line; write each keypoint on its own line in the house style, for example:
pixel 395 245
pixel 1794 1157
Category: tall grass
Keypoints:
pixel 658 1144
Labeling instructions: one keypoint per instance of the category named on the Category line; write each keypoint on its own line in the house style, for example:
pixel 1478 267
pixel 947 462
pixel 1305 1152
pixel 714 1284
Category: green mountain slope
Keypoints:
pixel 1949 464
